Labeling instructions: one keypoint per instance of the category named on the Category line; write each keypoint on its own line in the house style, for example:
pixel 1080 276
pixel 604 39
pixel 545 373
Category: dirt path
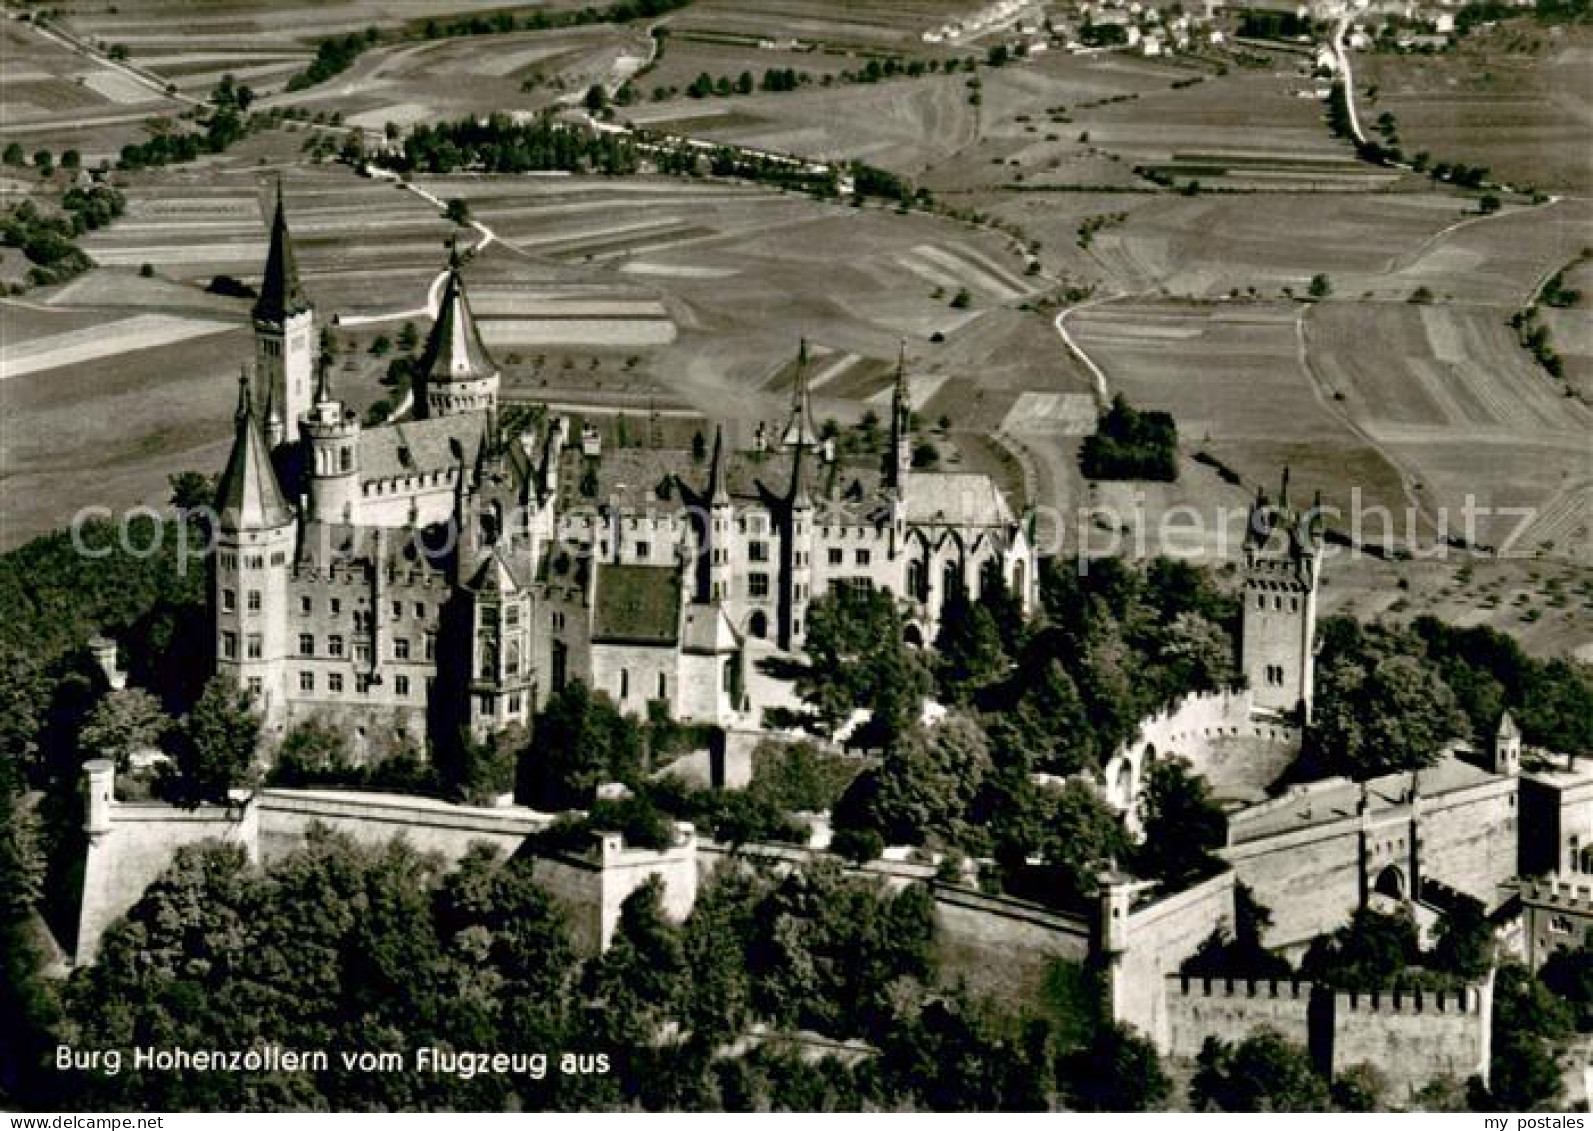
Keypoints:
pixel 78 46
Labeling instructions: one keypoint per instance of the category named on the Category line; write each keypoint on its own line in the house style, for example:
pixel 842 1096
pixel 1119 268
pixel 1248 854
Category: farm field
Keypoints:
pixel 1233 377
pixel 1450 395
pixel 1514 99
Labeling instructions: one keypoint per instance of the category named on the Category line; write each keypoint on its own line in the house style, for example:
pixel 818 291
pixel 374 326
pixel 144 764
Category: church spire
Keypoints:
pixel 799 429
pixel 248 496
pixel 281 294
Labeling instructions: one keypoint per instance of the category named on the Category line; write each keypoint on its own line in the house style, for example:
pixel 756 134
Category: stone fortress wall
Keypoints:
pixel 1239 751
pixel 131 844
pixel 1411 1037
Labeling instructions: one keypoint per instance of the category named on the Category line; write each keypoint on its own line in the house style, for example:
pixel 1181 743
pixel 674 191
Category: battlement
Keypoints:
pixel 1410 1003
pixel 1559 890
pixel 1244 989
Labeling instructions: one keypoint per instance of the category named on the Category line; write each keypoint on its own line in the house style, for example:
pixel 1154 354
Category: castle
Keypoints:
pixel 436 573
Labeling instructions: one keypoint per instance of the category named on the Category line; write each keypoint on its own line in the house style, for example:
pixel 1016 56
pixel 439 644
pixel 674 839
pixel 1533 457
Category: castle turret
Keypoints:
pixel 255 531
pixel 796 571
pixel 1506 747
pixel 721 520
pixel 799 429
pixel 1283 560
pixel 284 331
pixel 332 435
pixel 456 374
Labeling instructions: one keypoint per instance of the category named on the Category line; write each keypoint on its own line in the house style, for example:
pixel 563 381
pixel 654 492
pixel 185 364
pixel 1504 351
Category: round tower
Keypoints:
pixel 332 435
pixel 255 536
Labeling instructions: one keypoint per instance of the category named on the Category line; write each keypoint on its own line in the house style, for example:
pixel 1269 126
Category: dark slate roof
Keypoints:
pixel 280 291
pixel 248 496
pixel 633 477
pixel 454 351
pixel 323 545
pixel 636 605
pixel 501 572
pixel 417 447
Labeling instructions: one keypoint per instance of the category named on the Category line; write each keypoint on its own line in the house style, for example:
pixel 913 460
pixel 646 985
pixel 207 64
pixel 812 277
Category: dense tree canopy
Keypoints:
pixel 1263 1072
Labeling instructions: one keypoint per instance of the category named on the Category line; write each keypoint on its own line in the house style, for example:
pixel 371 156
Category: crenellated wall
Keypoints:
pixel 1230 1009
pixel 1415 1036
pixel 1410 1037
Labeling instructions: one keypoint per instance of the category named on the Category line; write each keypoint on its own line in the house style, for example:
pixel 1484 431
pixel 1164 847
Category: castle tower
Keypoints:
pixel 332 435
pixel 899 460
pixel 284 331
pixel 721 518
pixel 255 533
pixel 796 545
pixel 799 429
pixel 1283 561
pixel 456 374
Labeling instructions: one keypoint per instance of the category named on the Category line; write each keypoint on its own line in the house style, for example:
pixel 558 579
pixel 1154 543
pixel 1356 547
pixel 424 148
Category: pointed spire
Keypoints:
pixel 281 294
pixel 454 350
pixel 798 495
pixel 799 430
pixel 323 381
pixel 718 493
pixel 900 456
pixel 248 496
pixel 245 407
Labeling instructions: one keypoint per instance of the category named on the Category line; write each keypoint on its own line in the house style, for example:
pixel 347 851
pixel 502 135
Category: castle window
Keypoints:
pixel 345 459
pixel 398 610
pixel 864 557
pixel 625 683
pixel 254 646
pixel 255 686
pixel 757 585
pixel 758 551
pixel 511 616
pixel 514 703
pixel 334 645
pixel 401 686
pixel 837 556
pixel 401 649
pixel 430 650
pixel 362 684
pixel 279 558
pixel 306 681
pixel 643 550
pixel 306 644
pixel 254 561
pixel 229 645
pixel 229 600
pixel 663 686
pixel 306 606
pixel 489 665
pixel 362 653
pixel 337 606
pixel 334 683
pixel 420 609
pixel 1560 925
pixel 511 664
pixel 1294 604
